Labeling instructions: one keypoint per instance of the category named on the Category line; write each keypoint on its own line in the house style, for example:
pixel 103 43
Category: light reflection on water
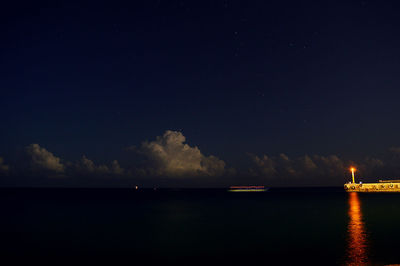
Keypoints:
pixel 357 240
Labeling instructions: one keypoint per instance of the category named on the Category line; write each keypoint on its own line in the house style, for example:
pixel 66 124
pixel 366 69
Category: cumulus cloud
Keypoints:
pixel 168 155
pixel 3 167
pixel 41 160
pixel 304 166
pixel 86 166
pixel 116 168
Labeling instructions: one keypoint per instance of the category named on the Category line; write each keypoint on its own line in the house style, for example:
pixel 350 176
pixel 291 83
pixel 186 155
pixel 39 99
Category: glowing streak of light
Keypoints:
pixel 357 237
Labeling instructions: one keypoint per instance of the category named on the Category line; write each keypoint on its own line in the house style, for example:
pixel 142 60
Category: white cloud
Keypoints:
pixel 39 159
pixel 168 155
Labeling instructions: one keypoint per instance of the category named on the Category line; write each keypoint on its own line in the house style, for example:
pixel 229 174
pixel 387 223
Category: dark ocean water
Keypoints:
pixel 122 226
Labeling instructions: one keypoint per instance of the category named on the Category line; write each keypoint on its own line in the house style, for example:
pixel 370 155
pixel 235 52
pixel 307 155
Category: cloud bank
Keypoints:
pixel 168 155
pixel 169 158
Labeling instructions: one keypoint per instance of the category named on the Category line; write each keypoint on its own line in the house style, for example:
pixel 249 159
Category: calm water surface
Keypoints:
pixel 279 227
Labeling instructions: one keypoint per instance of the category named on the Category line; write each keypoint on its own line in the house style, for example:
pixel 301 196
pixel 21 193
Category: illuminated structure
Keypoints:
pixel 247 189
pixel 381 186
pixel 352 173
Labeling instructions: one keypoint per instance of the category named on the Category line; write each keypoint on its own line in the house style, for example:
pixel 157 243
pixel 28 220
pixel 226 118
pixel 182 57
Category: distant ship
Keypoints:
pixel 247 189
pixel 381 186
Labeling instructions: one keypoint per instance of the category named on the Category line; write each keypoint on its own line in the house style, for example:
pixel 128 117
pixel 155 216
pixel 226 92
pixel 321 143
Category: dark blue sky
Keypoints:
pixel 263 77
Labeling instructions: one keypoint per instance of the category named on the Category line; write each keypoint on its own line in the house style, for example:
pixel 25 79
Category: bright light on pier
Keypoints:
pixel 352 169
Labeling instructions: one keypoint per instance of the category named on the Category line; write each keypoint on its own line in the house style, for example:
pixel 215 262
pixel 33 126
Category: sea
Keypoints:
pixel 284 226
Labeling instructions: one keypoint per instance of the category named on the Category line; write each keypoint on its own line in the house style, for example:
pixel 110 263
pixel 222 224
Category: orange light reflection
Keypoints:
pixel 357 238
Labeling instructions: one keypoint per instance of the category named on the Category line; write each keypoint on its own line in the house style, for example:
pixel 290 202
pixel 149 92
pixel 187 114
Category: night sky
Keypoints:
pixel 202 94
